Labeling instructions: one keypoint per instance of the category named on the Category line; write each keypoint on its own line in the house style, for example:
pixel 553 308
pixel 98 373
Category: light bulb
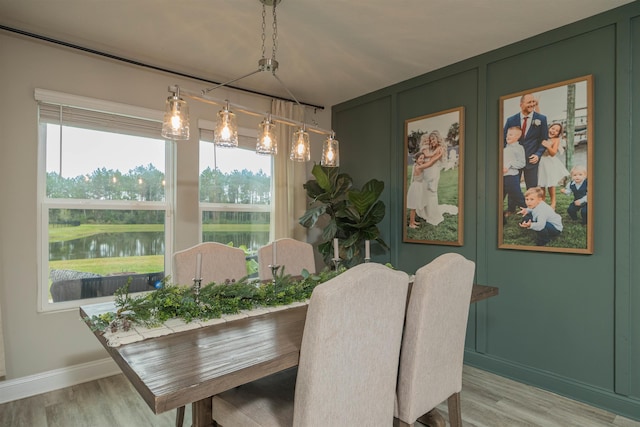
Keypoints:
pixel 267 142
pixel 176 122
pixel 226 133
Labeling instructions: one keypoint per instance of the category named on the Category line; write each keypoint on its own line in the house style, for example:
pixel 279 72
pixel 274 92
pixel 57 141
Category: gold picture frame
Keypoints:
pixel 434 178
pixel 554 210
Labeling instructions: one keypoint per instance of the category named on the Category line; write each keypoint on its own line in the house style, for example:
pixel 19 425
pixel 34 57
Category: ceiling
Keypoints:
pixel 329 50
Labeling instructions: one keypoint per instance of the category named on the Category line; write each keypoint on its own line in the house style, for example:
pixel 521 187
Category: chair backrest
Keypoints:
pixel 293 254
pixel 350 349
pixel 219 262
pixel 434 333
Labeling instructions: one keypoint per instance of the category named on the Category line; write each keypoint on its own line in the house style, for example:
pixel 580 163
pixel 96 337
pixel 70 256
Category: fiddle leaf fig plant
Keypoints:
pixel 348 214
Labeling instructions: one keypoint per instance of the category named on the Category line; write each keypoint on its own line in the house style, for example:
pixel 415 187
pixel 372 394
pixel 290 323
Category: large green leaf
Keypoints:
pixel 374 186
pixel 341 185
pixel 311 216
pixel 314 191
pixel 329 232
pixel 322 177
pixel 375 214
pixel 363 199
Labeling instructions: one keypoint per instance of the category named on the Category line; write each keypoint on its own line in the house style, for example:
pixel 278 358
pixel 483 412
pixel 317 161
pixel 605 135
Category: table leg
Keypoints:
pixel 201 413
pixel 433 418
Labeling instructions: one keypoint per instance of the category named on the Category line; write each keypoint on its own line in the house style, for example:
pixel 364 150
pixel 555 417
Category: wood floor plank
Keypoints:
pixel 487 400
pixel 493 401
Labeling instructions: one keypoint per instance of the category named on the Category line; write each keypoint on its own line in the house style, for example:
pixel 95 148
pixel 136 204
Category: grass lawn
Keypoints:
pixel 573 236
pixel 105 266
pixel 62 234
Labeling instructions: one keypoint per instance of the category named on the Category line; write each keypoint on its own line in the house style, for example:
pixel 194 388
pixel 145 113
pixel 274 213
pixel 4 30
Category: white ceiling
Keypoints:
pixel 329 50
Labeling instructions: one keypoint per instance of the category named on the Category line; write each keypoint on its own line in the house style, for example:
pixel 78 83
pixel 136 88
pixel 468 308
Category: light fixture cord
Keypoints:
pixel 274 35
pixel 264 27
pixel 274 29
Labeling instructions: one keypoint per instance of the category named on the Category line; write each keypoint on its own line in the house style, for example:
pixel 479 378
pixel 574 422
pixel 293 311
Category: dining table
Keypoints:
pixel 191 366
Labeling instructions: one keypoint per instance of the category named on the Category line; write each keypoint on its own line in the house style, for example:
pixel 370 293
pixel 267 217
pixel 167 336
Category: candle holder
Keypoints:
pixel 274 271
pixel 197 283
pixel 336 263
pixel 366 260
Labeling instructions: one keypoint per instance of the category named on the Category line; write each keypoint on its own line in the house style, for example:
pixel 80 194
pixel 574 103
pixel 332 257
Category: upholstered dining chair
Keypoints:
pixel 348 359
pixel 293 254
pixel 219 262
pixel 430 369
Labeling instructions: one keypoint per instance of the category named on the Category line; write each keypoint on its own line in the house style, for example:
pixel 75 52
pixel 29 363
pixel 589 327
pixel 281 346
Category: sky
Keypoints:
pixel 553 102
pixel 84 151
pixel 440 122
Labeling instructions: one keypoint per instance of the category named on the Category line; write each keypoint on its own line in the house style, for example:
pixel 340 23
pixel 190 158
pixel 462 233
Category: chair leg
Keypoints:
pixel 455 412
pixel 433 418
pixel 179 416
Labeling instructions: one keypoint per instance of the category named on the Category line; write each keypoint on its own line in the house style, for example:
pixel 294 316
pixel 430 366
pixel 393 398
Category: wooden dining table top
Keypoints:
pixel 191 366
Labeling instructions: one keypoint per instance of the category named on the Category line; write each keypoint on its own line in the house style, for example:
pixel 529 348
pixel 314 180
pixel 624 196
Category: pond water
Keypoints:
pixel 252 240
pixel 110 245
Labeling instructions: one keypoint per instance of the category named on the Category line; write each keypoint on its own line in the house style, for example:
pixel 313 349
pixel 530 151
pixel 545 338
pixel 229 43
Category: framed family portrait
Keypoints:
pixel 546 155
pixel 433 181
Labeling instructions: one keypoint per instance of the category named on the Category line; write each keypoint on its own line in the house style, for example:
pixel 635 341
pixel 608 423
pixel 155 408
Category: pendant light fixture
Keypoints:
pixel 267 143
pixel 226 133
pixel 330 152
pixel 300 151
pixel 176 118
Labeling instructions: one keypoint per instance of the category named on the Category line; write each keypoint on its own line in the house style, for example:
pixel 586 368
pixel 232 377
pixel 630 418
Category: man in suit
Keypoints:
pixel 534 131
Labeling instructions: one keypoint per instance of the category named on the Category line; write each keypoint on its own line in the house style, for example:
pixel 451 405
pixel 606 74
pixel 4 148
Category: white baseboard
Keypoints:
pixel 53 380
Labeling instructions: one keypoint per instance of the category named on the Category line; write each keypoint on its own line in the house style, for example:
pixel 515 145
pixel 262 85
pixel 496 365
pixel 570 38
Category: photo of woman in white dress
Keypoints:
pixel 434 163
pixel 435 149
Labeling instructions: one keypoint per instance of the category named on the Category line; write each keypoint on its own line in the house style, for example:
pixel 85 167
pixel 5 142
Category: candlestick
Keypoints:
pixel 336 263
pixel 367 251
pixel 197 283
pixel 336 249
pixel 198 266
pixel 274 272
pixel 274 254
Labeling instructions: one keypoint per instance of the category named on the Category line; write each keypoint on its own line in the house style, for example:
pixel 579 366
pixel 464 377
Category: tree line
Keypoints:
pixel 147 183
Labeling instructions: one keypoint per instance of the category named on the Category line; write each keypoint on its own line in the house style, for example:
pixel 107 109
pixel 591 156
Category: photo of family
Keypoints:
pixel 546 160
pixel 433 178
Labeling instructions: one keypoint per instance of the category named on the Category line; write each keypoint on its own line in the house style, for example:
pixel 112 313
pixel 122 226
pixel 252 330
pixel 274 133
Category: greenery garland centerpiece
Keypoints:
pixel 212 300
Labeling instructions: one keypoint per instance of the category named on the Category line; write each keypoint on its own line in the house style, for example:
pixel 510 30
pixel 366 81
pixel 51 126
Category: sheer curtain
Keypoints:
pixel 290 199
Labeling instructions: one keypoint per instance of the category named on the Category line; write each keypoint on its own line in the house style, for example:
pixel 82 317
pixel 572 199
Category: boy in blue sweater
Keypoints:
pixel 539 217
pixel 578 187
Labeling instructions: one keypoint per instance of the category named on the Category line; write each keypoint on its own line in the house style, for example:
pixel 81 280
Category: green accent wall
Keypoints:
pixel 569 323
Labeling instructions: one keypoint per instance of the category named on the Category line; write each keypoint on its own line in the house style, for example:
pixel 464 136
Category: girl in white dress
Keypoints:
pixel 415 192
pixel 550 169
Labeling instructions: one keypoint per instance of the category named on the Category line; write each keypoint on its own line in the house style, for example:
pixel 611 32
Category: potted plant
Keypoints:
pixel 351 215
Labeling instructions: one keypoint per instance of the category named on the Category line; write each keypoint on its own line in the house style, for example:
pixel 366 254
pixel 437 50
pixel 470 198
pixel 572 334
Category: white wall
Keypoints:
pixel 39 342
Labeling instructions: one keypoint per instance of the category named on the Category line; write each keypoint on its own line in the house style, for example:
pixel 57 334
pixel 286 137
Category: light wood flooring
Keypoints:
pixel 487 401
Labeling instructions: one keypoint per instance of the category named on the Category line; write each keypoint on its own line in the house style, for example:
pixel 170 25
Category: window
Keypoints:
pixel 104 198
pixel 235 192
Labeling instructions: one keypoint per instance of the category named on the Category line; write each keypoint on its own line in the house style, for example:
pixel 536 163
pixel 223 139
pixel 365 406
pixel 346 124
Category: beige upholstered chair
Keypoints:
pixel 348 359
pixel 294 255
pixel 433 341
pixel 219 262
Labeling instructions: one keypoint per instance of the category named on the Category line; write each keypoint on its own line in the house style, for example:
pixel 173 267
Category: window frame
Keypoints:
pixel 245 135
pixel 45 204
